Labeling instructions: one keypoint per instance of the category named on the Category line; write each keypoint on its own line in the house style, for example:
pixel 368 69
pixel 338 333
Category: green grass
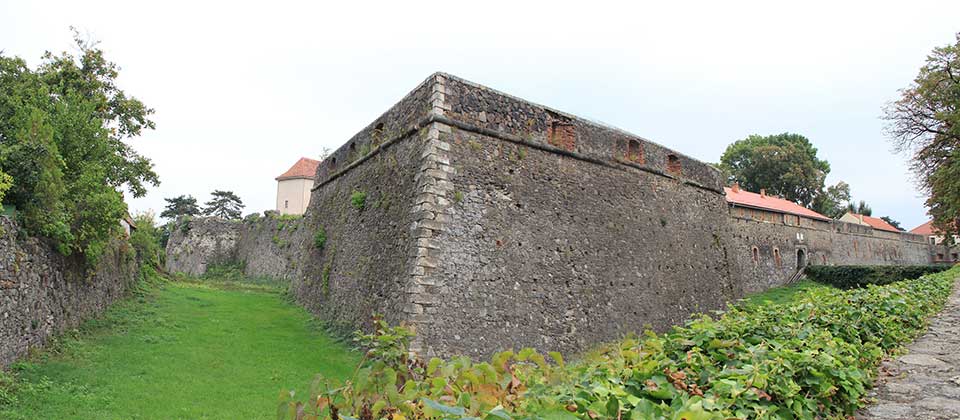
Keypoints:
pixel 782 295
pixel 184 350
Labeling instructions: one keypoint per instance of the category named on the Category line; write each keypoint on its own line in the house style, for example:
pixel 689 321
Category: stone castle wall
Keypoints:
pixel 268 246
pixel 768 246
pixel 490 222
pixel 43 293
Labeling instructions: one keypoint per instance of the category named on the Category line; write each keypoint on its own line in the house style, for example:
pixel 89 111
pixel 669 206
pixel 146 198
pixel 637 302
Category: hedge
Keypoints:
pixel 811 358
pixel 851 276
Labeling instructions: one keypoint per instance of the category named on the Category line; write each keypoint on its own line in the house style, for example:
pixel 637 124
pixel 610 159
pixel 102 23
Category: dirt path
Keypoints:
pixel 924 383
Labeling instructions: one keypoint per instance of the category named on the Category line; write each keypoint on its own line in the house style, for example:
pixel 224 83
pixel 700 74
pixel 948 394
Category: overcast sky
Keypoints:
pixel 242 90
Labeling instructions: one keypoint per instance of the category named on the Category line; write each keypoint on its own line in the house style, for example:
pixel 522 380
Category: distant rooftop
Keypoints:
pixel 925 229
pixel 875 222
pixel 765 202
pixel 305 168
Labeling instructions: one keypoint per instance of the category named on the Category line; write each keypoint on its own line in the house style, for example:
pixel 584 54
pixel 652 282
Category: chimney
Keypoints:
pixel 763 193
pixel 736 187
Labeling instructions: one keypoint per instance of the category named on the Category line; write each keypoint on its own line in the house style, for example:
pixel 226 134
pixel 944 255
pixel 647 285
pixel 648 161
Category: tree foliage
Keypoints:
pixel 146 238
pixel 784 165
pixel 184 205
pixel 831 201
pixel 6 181
pixel 63 128
pixel 925 123
pixel 893 223
pixel 860 208
pixel 224 204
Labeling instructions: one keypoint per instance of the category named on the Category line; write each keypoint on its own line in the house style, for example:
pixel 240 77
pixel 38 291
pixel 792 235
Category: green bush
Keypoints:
pixel 851 276
pixel 358 199
pixel 320 238
pixel 812 357
pixel 146 239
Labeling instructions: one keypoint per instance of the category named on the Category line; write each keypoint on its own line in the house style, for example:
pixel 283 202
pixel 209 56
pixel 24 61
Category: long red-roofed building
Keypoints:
pixel 746 199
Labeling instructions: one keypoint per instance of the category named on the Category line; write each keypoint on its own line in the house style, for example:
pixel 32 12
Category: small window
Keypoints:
pixel 286 204
pixel 378 134
pixel 939 257
pixel 333 164
pixel 635 151
pixel 776 257
pixel 756 255
pixel 955 256
pixel 673 164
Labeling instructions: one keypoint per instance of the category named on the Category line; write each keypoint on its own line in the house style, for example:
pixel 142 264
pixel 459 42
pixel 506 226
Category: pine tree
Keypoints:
pixel 224 204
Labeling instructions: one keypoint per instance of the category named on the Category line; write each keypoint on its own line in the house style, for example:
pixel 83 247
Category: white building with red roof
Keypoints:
pixel 934 235
pixel 294 185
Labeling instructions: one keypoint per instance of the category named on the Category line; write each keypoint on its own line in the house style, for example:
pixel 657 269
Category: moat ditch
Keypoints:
pixel 181 350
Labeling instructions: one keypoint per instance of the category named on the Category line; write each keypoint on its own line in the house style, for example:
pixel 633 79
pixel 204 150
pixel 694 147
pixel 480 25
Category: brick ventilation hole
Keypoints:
pixel 635 151
pixel 378 134
pixel 673 164
pixel 563 135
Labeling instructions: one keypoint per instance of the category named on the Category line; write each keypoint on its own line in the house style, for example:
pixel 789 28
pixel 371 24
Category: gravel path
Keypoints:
pixel 925 383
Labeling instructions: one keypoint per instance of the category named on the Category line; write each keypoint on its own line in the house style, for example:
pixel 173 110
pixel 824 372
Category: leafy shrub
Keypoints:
pixel 850 276
pixel 184 223
pixel 325 280
pixel 320 238
pixel 813 357
pixel 146 239
pixel 358 199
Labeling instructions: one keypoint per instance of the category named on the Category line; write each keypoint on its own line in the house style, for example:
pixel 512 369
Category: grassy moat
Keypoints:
pixel 182 350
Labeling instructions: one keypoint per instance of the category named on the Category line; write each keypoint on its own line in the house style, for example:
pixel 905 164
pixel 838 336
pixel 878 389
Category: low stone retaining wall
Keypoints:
pixel 43 293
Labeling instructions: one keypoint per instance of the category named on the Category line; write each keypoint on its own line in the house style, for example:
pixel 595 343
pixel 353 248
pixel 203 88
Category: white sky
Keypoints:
pixel 242 90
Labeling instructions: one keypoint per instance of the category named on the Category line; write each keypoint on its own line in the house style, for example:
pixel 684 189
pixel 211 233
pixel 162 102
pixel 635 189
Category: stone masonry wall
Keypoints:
pixel 196 244
pixel 559 254
pixel 369 261
pixel 267 246
pixel 768 251
pixel 43 294
pixel 488 222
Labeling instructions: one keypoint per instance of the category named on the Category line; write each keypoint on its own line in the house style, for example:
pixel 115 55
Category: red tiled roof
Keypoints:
pixel 304 168
pixel 876 223
pixel 924 229
pixel 779 205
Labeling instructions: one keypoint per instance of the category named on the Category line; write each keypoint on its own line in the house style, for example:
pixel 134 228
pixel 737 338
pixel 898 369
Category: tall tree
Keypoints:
pixel 925 124
pixel 223 204
pixel 860 208
pixel 63 132
pixel 184 205
pixel 832 201
pixel 785 165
